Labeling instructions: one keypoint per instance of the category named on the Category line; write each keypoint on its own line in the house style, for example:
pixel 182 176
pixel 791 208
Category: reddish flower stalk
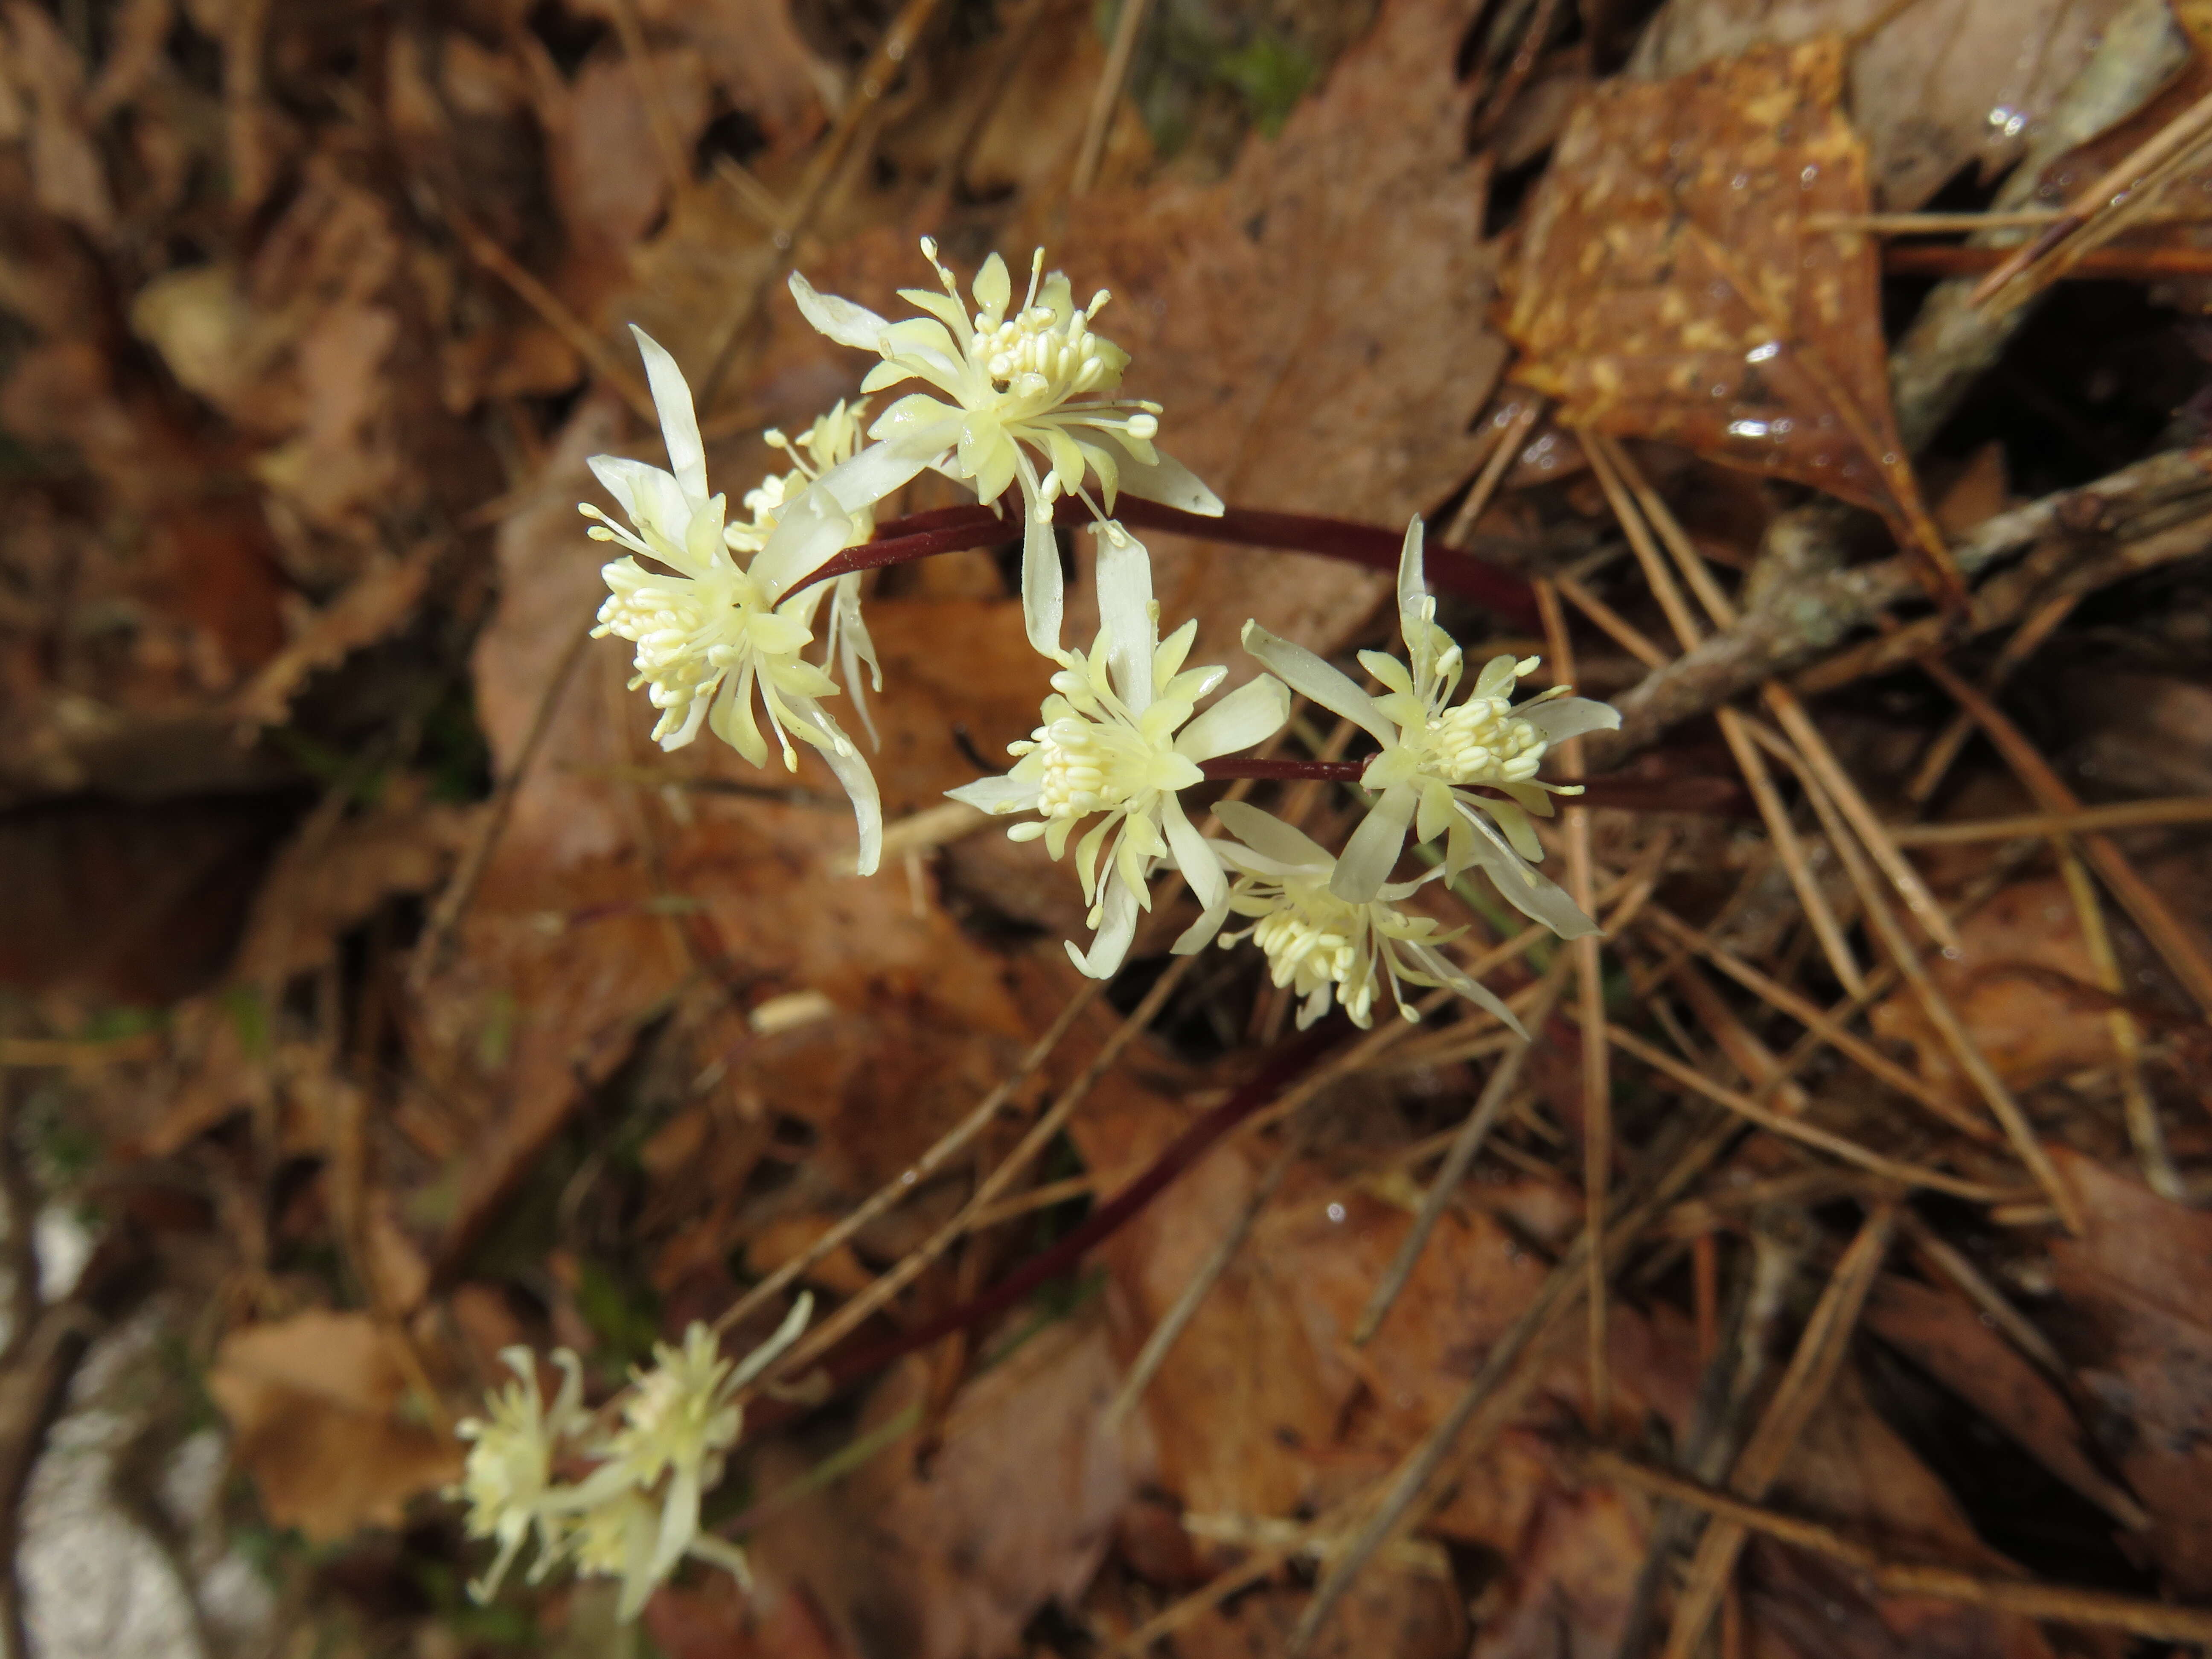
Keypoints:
pixel 1707 793
pixel 1283 1067
pixel 943 529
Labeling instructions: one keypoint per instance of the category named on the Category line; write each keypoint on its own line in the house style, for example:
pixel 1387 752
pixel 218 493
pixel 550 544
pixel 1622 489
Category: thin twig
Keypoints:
pixel 1597 1056
pixel 910 1180
pixel 1511 438
pixel 452 906
pixel 1178 1316
pixel 1820 1352
pixel 2022 644
pixel 2158 1620
pixel 1933 1003
pixel 1466 1142
pixel 2170 937
pixel 1106 96
pixel 2121 815
pixel 833 1329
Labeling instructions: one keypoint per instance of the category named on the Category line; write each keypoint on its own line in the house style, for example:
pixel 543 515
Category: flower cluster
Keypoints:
pixel 1025 396
pixel 634 1515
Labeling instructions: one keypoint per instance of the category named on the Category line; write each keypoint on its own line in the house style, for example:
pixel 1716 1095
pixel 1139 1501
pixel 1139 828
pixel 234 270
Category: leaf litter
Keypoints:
pixel 474 1020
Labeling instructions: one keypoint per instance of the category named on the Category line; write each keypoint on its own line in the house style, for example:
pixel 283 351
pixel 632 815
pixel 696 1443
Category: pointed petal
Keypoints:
pixel 765 1355
pixel 844 759
pixel 1117 927
pixel 1125 614
pixel 652 499
pixel 1412 587
pixel 1570 717
pixel 1194 856
pixel 1529 891
pixel 1043 598
pixel 1365 862
pixel 841 319
pixel 1308 676
pixel 992 288
pixel 1269 836
pixel 679 424
pixel 999 794
pixel 1251 713
pixel 1434 963
pixel 1170 484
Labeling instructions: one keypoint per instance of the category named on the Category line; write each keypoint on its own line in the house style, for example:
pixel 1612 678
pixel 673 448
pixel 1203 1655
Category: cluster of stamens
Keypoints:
pixel 1481 741
pixel 1065 357
pixel 1311 942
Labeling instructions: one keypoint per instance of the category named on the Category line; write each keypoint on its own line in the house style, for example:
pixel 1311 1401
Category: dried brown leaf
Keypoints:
pixel 314 1403
pixel 1664 287
pixel 2140 1280
pixel 1935 85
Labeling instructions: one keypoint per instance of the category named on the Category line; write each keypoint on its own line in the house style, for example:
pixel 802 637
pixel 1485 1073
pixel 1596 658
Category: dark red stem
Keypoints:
pixel 1280 1069
pixel 946 529
pixel 1722 797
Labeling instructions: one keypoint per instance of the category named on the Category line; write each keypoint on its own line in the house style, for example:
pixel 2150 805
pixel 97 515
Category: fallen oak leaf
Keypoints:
pixel 367 609
pixel 1664 286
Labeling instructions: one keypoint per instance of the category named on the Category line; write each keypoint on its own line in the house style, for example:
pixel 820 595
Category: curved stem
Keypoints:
pixel 943 529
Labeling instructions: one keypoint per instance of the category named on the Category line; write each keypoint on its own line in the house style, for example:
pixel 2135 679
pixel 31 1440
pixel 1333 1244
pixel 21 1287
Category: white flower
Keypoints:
pixel 509 1475
pixel 709 630
pixel 679 1421
pixel 1025 407
pixel 1431 750
pixel 1319 945
pixel 832 438
pixel 1119 740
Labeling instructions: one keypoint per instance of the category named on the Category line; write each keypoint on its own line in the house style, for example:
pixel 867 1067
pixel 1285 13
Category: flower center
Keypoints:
pixel 1088 769
pixel 1311 941
pixel 1482 742
pixel 1064 356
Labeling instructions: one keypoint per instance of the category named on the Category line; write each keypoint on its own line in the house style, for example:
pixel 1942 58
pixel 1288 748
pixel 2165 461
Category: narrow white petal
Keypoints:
pixel 999 794
pixel 843 756
pixel 1269 836
pixel 1170 484
pixel 1433 964
pixel 1043 598
pixel 1529 891
pixel 650 497
pixel 1194 856
pixel 679 424
pixel 1125 615
pixel 810 532
pixel 1412 587
pixel 679 1524
pixel 1570 717
pixel 1310 677
pixel 1251 713
pixel 786 1334
pixel 841 319
pixel 1366 861
pixel 1117 927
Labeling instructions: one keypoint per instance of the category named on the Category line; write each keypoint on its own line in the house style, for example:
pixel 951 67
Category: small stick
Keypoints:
pixel 2099 195
pixel 1495 466
pixel 2122 815
pixel 1906 1174
pixel 1937 1006
pixel 910 1180
pixel 1106 97
pixel 2168 934
pixel 1813 1366
pixel 2138 1109
pixel 2023 643
pixel 1597 1056
pixel 1826 929
pixel 2158 1620
pixel 1172 1324
pixel 1466 1142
